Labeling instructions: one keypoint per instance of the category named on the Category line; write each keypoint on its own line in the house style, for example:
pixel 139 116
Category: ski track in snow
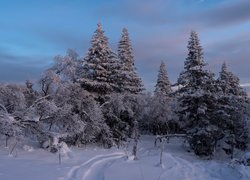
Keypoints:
pixel 94 168
pixel 181 169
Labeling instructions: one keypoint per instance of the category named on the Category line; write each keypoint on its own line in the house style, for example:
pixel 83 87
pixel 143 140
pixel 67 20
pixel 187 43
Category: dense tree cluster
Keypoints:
pixel 100 99
pixel 211 110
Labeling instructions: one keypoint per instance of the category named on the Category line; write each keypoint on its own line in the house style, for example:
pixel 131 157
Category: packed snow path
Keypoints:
pixel 115 166
pixel 178 168
pixel 94 168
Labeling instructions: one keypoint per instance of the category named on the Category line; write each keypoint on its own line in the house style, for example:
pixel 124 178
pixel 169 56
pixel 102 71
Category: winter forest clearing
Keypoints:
pixel 97 105
pixel 92 118
pixel 94 163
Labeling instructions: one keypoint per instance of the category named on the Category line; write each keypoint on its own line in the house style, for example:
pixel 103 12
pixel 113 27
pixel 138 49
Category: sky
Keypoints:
pixel 33 32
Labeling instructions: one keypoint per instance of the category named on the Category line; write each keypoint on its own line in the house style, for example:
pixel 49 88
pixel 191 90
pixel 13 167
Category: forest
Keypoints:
pixel 100 99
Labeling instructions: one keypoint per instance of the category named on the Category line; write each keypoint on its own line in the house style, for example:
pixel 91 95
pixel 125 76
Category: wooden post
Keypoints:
pixel 6 140
pixel 59 154
pixel 136 136
pixel 162 149
pixel 135 149
pixel 13 148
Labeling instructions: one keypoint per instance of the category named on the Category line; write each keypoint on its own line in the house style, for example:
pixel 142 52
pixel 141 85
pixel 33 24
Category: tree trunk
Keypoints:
pixel 6 141
pixel 135 149
pixel 59 154
pixel 136 136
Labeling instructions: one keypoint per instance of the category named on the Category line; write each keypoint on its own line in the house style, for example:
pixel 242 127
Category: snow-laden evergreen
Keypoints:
pixel 231 113
pixel 100 65
pixel 196 99
pixel 129 81
pixel 163 85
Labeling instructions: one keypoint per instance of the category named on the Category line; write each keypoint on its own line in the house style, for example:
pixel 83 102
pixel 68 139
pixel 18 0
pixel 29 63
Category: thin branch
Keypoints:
pixel 3 108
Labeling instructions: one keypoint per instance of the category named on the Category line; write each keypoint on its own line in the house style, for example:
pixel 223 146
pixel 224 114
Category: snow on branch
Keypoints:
pixel 163 138
pixel 39 100
pixel 2 107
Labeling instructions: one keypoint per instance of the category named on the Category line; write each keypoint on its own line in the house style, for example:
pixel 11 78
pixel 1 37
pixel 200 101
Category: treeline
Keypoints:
pixel 101 99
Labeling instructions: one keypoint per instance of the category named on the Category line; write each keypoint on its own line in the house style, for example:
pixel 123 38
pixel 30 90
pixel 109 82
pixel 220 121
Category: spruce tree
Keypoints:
pixel 129 81
pixel 232 104
pixel 163 86
pixel 196 100
pixel 100 65
pixel 160 105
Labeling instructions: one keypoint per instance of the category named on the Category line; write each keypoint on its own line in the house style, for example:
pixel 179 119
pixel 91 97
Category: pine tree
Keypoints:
pixel 232 104
pixel 163 86
pixel 129 81
pixel 196 99
pixel 100 65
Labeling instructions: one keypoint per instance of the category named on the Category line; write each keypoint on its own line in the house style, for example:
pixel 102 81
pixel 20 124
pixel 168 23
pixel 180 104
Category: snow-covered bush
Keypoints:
pixel 203 140
pixel 9 127
pixel 12 97
pixel 159 116
pixel 81 115
pixel 54 145
pixel 67 67
pixel 246 159
pixel 121 112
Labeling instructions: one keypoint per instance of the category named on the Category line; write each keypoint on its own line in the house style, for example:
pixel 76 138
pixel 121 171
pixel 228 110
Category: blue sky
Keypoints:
pixel 33 32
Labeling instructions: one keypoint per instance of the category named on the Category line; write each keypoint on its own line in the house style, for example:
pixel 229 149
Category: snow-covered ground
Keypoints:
pixel 95 163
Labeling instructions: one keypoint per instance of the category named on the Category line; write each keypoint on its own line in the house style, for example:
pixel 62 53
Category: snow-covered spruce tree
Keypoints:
pixel 163 86
pixel 100 65
pixel 232 113
pixel 160 114
pixel 196 99
pixel 128 79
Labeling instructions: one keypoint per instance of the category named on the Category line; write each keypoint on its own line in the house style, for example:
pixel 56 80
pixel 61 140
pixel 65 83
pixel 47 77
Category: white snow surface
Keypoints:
pixel 95 163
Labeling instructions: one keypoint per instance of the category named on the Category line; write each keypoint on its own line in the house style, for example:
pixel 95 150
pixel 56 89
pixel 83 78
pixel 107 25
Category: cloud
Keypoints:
pixel 145 12
pixel 196 13
pixel 234 51
pixel 18 74
pixel 245 85
pixel 28 61
pixel 17 69
pixel 226 13
pixel 62 40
